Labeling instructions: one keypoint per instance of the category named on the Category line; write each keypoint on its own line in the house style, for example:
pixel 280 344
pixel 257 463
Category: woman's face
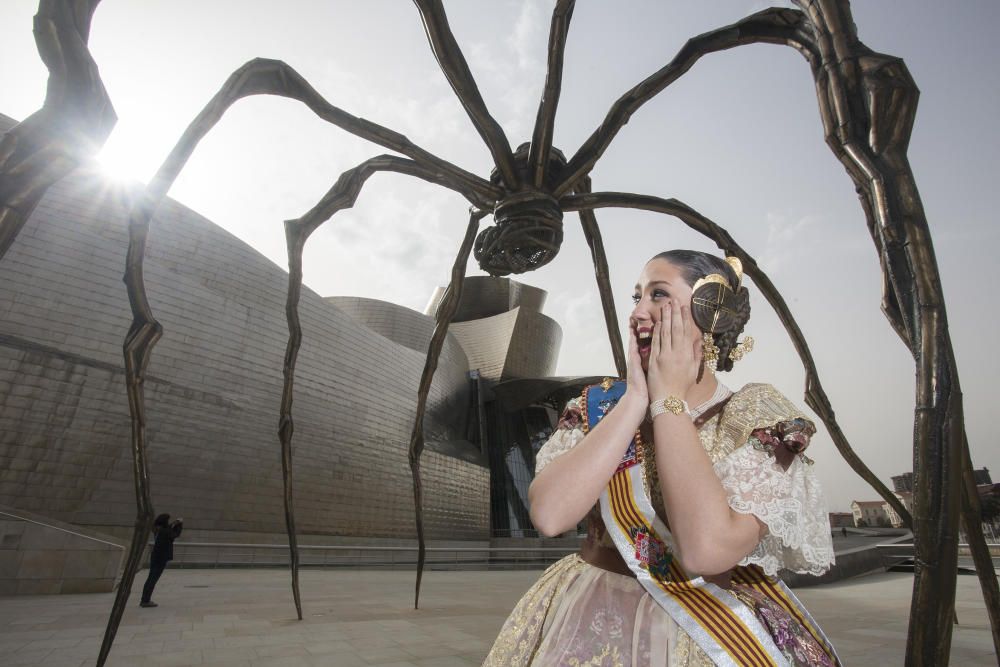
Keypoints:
pixel 659 283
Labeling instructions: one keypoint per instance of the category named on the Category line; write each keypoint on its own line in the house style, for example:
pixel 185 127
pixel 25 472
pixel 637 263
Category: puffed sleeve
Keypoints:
pixel 770 477
pixel 568 432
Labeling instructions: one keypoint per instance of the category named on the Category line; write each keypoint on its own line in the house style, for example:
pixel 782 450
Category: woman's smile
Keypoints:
pixel 644 340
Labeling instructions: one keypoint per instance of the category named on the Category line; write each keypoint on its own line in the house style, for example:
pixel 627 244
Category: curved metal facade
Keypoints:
pixel 214 386
pixel 502 329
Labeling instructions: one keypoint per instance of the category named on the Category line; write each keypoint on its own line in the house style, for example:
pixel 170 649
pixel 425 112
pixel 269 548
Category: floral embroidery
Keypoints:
pixel 791 638
pixel 764 440
pixel 795 434
pixel 788 501
pixel 607 651
pixel 790 436
pixel 603 624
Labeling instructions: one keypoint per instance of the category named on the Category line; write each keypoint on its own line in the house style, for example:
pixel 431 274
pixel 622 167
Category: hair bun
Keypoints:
pixel 715 307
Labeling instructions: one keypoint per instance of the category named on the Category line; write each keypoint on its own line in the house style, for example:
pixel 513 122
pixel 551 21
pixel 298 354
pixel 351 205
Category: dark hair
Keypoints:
pixel 161 521
pixel 695 265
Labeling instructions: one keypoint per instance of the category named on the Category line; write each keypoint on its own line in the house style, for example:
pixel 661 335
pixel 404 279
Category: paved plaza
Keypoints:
pixel 365 617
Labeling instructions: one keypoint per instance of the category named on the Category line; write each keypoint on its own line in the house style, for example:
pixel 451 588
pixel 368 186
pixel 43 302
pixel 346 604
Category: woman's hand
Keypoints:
pixel 635 379
pixel 675 354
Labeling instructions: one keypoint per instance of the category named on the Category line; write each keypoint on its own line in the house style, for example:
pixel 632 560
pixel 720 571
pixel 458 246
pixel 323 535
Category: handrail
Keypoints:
pixel 65 530
pixel 368 547
pixel 910 544
pixel 360 555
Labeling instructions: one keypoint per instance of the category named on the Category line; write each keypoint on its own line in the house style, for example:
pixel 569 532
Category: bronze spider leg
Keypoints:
pixel 142 335
pixel 442 318
pixel 141 338
pixel 867 102
pixel 815 396
pixel 146 331
pixel 541 138
pixel 971 513
pixel 256 77
pixel 777 26
pixel 593 235
pixel 73 123
pixel 456 70
pixel 341 196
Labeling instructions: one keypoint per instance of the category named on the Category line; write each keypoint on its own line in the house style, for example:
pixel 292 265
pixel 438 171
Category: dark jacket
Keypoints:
pixel 163 547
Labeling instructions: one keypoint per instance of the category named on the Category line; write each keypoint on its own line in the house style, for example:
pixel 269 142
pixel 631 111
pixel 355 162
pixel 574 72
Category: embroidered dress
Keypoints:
pixel 578 614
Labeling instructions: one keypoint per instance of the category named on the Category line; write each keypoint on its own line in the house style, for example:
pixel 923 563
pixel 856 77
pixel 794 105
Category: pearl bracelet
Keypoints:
pixel 670 404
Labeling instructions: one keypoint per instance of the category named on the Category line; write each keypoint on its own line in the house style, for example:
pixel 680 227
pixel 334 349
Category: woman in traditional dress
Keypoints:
pixel 695 497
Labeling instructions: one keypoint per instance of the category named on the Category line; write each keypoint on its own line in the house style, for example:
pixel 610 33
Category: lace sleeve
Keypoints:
pixel 772 479
pixel 568 432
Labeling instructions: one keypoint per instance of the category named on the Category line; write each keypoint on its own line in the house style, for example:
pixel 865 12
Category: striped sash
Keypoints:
pixel 727 630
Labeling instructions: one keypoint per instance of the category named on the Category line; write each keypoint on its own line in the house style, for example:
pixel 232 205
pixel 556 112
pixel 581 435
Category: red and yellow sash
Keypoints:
pixel 727 630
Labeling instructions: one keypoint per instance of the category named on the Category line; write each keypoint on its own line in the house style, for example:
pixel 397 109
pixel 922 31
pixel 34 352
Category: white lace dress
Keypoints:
pixel 577 614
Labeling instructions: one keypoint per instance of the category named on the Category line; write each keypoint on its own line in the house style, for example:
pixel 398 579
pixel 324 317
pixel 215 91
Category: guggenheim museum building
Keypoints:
pixel 214 385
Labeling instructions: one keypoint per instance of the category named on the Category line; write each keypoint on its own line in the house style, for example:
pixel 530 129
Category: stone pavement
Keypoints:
pixel 365 617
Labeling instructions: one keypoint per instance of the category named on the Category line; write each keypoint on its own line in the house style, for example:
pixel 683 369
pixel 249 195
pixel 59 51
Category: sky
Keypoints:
pixel 738 138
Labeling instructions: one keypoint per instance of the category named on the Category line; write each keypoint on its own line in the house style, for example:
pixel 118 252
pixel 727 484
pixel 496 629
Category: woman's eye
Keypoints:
pixel 658 294
pixel 636 298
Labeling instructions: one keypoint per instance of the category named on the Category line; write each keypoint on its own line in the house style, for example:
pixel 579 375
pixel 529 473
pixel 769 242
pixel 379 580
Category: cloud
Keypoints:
pixel 395 245
pixel 529 32
pixel 785 233
pixel 585 347
pixel 515 66
pixel 791 237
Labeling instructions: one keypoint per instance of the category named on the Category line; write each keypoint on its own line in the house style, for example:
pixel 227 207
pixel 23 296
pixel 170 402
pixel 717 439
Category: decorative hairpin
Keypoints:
pixel 741 349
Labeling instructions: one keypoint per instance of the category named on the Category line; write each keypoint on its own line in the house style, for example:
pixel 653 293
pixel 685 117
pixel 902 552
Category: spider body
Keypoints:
pixel 528 222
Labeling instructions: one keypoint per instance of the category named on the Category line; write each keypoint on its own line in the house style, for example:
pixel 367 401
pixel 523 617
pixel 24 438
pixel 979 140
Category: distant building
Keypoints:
pixel 903 482
pixel 841 520
pixel 982 476
pixel 870 513
pixel 986 490
pixel 906 498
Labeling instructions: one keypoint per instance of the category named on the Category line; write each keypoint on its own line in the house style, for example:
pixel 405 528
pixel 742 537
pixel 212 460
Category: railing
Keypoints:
pixel 215 554
pixel 59 528
pixel 895 554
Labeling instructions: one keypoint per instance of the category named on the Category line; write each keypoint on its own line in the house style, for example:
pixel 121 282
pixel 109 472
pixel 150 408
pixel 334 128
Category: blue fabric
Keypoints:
pixel 600 402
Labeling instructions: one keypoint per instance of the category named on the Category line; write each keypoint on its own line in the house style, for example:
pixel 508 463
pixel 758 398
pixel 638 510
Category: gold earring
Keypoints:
pixel 741 349
pixel 709 352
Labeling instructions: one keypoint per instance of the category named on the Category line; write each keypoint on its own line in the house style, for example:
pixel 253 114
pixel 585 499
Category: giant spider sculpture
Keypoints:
pixel 867 103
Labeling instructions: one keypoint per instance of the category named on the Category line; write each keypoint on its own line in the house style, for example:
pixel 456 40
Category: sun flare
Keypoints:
pixel 121 162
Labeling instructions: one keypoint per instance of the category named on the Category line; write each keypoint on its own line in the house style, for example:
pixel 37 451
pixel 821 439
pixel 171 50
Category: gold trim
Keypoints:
pixel 737 266
pixel 710 278
pixel 670 404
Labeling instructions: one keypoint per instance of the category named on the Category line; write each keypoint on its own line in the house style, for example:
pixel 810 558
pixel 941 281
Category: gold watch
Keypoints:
pixel 670 404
